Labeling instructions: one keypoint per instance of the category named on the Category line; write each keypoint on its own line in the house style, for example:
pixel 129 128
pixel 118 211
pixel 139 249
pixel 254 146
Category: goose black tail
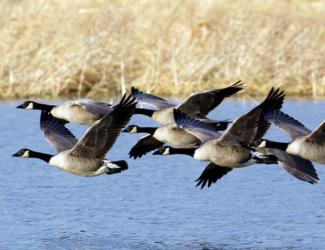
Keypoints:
pixel 265 159
pixel 123 165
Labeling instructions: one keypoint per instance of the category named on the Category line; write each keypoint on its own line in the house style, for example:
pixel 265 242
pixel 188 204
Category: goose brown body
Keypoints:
pixel 83 111
pixel 234 156
pixel 68 111
pixel 79 165
pixel 175 136
pixel 307 149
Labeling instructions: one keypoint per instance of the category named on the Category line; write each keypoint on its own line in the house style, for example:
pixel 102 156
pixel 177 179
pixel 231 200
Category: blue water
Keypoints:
pixel 155 204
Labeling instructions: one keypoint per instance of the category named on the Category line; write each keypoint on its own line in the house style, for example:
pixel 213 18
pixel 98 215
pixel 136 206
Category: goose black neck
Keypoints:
pixel 42 156
pixel 147 112
pixel 149 130
pixel 183 151
pixel 279 145
pixel 41 106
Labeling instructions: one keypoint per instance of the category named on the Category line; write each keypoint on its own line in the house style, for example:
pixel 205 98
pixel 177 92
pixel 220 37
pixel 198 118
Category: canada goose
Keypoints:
pixel 305 143
pixel 86 157
pixel 197 105
pixel 157 136
pixel 231 151
pixel 83 111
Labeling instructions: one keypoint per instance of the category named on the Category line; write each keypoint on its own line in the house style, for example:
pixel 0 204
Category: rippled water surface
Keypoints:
pixel 155 204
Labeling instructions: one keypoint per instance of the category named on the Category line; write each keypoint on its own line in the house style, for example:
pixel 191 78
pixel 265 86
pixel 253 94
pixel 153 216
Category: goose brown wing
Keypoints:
pixel 195 127
pixel 152 100
pixel 56 133
pixel 300 168
pixel 94 107
pixel 252 125
pixel 318 135
pixel 211 174
pixel 99 139
pixel 144 145
pixel 199 105
pixel 285 122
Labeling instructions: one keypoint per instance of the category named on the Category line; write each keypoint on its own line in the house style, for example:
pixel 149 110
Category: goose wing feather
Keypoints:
pixel 144 145
pixel 99 139
pixel 152 100
pixel 56 133
pixel 318 135
pixel 252 125
pixel 94 107
pixel 300 168
pixel 201 130
pixel 211 174
pixel 199 105
pixel 285 122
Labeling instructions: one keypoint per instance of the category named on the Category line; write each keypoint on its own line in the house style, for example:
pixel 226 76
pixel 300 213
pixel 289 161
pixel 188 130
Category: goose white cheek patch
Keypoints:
pixel 30 106
pixel 262 145
pixel 166 152
pixel 25 155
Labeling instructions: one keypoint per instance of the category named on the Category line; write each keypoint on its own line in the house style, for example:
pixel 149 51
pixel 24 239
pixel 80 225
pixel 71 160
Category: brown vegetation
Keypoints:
pixel 93 48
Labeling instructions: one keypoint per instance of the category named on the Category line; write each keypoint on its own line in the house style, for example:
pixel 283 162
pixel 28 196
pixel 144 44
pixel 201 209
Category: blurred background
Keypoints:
pixel 97 48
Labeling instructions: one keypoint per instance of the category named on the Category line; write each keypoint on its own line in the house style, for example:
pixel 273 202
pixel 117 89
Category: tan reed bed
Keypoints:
pixel 88 48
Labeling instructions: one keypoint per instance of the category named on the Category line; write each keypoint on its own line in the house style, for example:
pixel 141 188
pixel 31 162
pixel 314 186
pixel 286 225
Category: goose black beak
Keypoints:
pixel 20 106
pixel 157 152
pixel 125 130
pixel 253 144
pixel 16 155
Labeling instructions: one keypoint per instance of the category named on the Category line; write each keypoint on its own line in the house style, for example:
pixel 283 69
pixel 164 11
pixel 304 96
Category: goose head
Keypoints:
pixel 131 129
pixel 163 150
pixel 26 105
pixel 260 143
pixel 23 153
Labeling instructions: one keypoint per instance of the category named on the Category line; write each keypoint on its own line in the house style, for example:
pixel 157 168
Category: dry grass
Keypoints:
pixel 89 48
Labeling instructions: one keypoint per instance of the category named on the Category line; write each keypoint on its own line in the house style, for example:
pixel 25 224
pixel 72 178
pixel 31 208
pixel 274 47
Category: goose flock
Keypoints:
pixel 185 128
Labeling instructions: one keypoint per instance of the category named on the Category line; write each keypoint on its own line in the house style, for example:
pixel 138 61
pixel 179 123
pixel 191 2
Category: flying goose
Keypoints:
pixel 83 111
pixel 86 156
pixel 231 151
pixel 197 105
pixel 170 134
pixel 305 143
